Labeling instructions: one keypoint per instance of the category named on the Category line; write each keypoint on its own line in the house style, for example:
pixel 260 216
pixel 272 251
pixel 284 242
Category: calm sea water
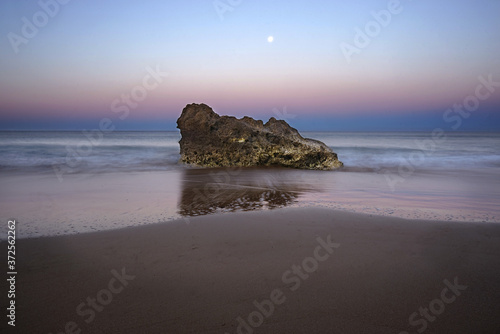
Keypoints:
pixel 75 152
pixel 67 182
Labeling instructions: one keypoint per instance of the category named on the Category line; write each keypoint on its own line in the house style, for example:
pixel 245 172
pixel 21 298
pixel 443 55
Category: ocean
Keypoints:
pixel 74 182
pixel 78 152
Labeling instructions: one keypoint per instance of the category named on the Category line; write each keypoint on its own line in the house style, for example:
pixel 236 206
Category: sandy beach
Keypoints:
pixel 291 270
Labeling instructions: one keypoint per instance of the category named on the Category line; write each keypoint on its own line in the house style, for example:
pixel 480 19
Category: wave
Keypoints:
pixel 142 151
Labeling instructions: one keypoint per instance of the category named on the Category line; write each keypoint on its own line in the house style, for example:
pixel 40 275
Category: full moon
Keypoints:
pixel 270 39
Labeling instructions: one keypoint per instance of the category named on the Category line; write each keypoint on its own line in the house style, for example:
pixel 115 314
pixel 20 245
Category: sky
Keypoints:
pixel 365 65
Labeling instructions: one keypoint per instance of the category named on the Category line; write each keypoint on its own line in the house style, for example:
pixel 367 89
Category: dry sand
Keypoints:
pixel 199 276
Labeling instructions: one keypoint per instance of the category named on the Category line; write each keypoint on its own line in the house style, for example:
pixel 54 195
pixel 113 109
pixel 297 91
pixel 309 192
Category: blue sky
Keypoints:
pixel 422 61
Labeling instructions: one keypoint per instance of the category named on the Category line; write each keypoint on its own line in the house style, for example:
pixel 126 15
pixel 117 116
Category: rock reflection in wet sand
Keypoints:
pixel 206 191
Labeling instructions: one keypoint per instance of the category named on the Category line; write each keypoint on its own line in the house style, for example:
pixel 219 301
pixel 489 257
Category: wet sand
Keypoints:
pixel 102 201
pixel 263 272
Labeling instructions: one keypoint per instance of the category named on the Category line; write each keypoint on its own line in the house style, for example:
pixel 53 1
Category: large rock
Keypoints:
pixel 210 140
